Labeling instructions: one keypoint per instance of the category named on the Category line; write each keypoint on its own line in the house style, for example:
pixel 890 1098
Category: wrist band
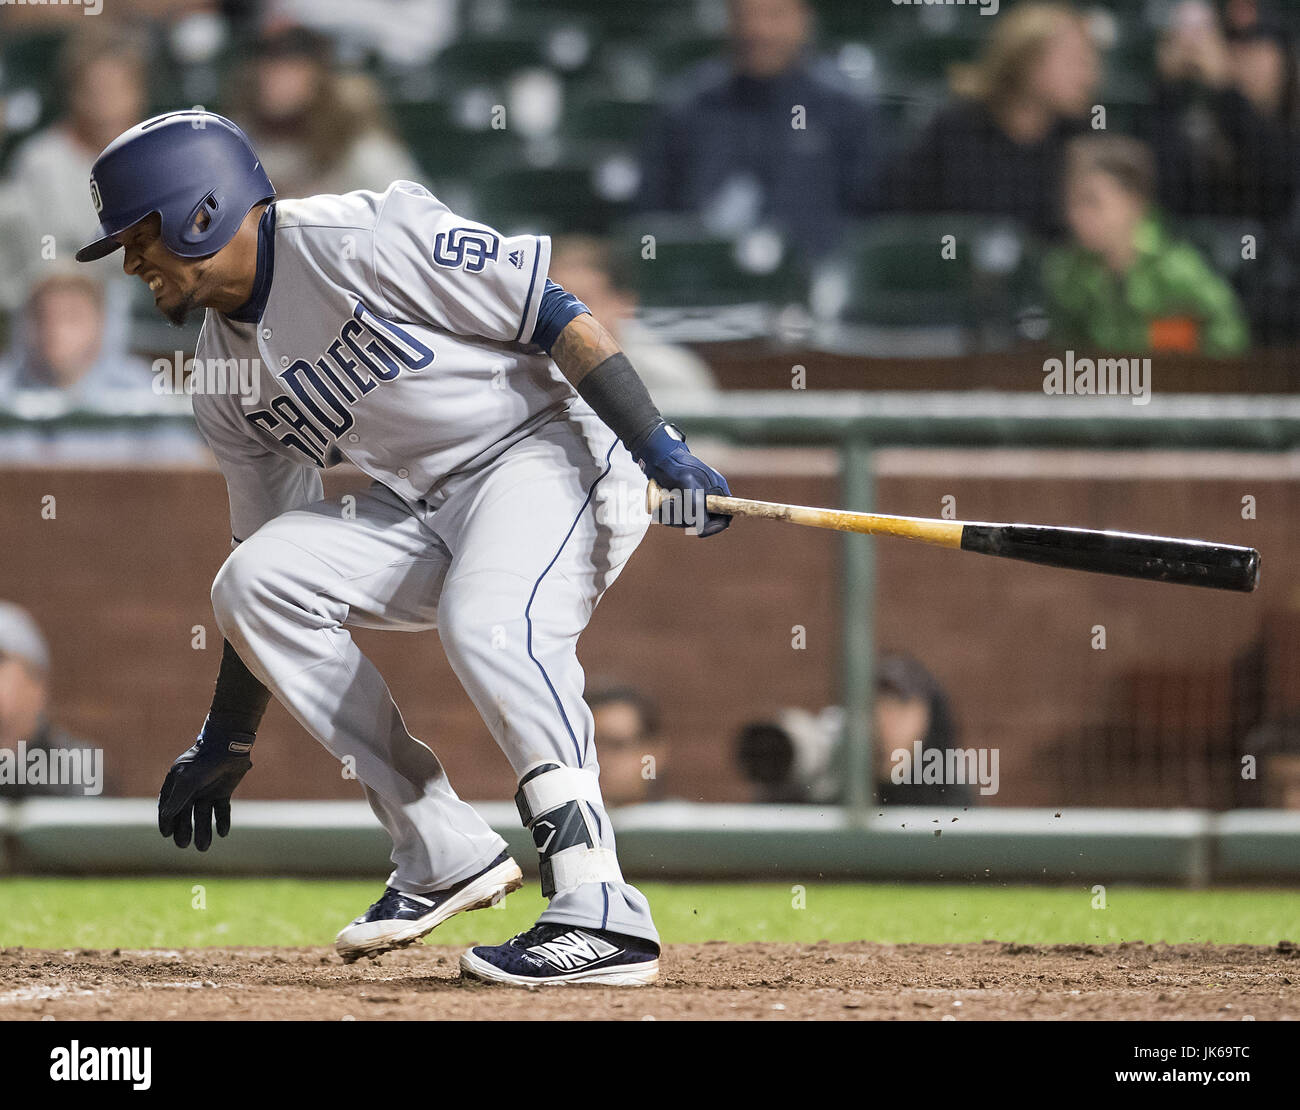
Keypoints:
pixel 620 399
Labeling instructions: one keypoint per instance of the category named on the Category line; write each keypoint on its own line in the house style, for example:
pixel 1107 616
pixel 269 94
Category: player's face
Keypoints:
pixel 177 284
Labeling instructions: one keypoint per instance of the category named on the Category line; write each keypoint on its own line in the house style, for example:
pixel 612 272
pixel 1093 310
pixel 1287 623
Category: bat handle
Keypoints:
pixel 655 493
pixel 654 496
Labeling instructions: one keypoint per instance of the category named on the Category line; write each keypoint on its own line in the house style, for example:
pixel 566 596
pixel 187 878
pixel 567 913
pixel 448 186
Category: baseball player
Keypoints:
pixel 503 430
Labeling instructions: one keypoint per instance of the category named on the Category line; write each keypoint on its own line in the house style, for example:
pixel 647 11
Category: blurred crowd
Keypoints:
pixel 873 177
pixel 37 757
pixel 1119 175
pixel 795 756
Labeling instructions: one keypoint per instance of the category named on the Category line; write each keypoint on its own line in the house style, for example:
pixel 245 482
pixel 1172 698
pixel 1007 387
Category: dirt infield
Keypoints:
pixel 717 980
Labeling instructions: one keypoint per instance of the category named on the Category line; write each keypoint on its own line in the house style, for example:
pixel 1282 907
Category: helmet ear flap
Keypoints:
pixel 199 222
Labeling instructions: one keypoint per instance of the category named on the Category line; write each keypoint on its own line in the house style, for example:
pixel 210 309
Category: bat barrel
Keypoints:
pixel 1188 562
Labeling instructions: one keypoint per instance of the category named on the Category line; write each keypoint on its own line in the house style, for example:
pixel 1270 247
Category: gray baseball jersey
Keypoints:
pixel 396 335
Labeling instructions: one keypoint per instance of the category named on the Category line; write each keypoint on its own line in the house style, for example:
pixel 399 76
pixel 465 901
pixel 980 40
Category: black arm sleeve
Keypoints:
pixel 240 699
pixel 619 397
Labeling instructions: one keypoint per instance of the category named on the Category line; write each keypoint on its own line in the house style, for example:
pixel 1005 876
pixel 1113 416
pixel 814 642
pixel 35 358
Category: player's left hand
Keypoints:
pixel 199 786
pixel 665 458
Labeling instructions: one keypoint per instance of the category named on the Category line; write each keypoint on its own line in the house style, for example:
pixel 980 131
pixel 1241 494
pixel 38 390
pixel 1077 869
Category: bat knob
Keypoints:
pixel 1251 572
pixel 654 496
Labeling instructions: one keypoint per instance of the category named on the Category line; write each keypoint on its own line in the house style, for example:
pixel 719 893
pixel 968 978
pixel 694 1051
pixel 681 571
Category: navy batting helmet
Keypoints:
pixel 180 165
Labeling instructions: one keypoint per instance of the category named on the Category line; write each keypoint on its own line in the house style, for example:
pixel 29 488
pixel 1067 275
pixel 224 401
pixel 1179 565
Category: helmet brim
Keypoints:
pixel 98 249
pixel 106 242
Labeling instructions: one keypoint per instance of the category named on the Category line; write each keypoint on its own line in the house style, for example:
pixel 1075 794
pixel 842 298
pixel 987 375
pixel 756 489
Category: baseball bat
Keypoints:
pixel 1218 566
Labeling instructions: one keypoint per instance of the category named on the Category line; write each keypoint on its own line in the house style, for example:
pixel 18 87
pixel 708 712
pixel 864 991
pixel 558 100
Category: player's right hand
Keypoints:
pixel 665 458
pixel 199 786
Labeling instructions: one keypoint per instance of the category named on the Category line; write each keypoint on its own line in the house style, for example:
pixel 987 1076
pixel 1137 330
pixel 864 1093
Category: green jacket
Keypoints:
pixel 1091 304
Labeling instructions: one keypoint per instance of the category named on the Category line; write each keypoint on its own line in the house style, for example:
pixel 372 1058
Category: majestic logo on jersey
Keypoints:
pixel 367 351
pixel 516 259
pixel 95 198
pixel 465 248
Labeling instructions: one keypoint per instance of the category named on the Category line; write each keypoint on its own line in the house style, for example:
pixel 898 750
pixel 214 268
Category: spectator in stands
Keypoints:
pixel 318 129
pixel 731 149
pixel 1125 285
pixel 1225 119
pixel 797 756
pixel 62 348
pixel 912 707
pixel 997 146
pixel 629 746
pixel 1242 15
pixel 585 267
pixel 61 15
pixel 24 719
pixel 43 195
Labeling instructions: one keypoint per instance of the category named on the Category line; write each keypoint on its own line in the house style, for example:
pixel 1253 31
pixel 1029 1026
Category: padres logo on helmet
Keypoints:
pixel 95 198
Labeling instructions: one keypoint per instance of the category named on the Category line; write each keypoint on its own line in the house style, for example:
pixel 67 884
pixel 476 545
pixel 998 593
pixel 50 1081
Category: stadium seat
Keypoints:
pixel 854 21
pixel 1125 116
pixel 703 288
pixel 591 116
pixel 446 149
pixel 543 199
pixel 28 84
pixel 1130 67
pixel 29 60
pixel 909 64
pixel 631 21
pixel 891 290
pixel 1220 240
pixel 904 117
pixel 663 58
pixel 692 267
pixel 489 60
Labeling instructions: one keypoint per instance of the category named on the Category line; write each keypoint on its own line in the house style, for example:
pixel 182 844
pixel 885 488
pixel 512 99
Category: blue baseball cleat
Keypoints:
pixel 550 954
pixel 399 918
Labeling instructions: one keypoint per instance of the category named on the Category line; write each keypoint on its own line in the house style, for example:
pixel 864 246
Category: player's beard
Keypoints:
pixel 178 313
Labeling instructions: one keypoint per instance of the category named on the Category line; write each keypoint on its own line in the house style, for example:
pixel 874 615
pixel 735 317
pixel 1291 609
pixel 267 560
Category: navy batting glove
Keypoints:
pixel 199 786
pixel 664 457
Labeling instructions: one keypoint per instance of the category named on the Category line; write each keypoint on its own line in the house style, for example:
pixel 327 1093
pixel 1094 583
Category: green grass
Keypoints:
pixel 164 913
